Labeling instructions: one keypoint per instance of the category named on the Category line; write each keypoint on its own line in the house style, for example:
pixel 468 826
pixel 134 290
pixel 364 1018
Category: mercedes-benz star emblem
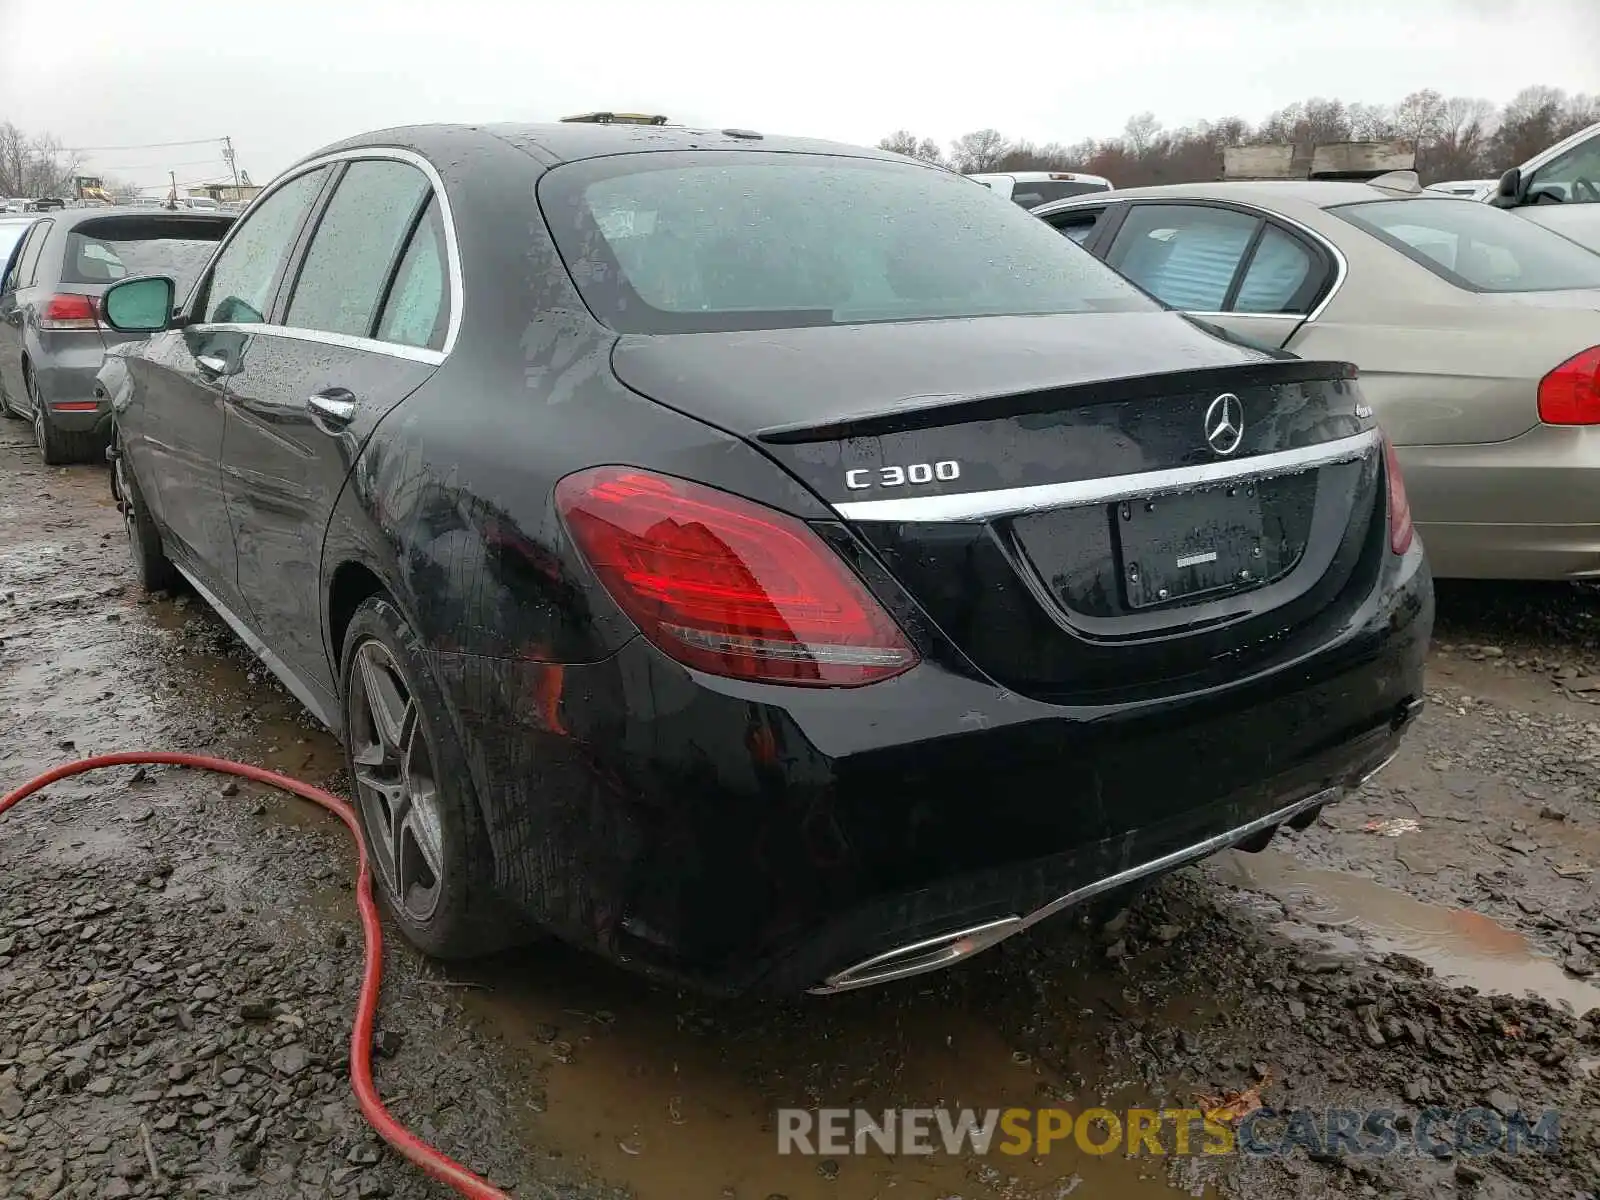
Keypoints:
pixel 1224 425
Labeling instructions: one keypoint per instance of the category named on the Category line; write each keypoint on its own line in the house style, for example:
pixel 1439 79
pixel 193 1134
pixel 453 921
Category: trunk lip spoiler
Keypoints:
pixel 971 507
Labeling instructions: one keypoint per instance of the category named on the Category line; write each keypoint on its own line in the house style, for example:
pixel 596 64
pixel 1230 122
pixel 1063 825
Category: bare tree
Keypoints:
pixel 1141 132
pixel 903 141
pixel 14 154
pixel 1458 148
pixel 1323 121
pixel 1420 118
pixel 53 167
pixel 1372 123
pixel 980 150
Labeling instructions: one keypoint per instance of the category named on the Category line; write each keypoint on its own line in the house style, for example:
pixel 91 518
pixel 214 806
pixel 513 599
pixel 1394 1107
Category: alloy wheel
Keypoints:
pixel 125 503
pixel 395 782
pixel 39 431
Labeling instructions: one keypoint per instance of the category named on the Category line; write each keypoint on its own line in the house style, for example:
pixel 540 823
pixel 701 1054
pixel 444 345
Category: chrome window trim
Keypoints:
pixel 975 507
pixel 1341 267
pixel 343 340
pixel 453 271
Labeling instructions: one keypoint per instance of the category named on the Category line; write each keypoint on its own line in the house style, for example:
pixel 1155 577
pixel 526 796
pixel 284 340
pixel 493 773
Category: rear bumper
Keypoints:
pixel 1526 508
pixel 67 377
pixel 734 836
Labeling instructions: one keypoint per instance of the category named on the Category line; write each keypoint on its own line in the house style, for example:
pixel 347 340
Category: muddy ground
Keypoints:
pixel 178 956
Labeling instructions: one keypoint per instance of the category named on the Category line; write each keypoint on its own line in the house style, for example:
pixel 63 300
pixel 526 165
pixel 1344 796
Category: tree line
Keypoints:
pixel 1457 137
pixel 34 166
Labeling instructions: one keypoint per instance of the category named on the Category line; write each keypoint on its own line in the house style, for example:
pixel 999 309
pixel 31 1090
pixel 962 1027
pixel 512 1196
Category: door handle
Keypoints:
pixel 332 408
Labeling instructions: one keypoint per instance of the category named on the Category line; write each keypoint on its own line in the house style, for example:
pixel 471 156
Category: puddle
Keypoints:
pixel 675 1098
pixel 1461 946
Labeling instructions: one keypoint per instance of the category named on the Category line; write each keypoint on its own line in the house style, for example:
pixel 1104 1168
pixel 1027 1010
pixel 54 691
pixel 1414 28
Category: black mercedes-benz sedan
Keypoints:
pixel 768 563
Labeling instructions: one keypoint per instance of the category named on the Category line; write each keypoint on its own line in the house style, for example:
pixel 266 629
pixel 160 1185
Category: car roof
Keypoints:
pixel 562 141
pixel 1270 193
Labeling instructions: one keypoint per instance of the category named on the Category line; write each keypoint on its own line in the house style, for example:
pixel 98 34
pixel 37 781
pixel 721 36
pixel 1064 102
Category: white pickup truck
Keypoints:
pixel 1033 188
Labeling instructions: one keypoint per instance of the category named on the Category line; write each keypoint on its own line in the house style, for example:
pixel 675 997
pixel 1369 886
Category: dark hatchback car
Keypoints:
pixel 765 562
pixel 52 340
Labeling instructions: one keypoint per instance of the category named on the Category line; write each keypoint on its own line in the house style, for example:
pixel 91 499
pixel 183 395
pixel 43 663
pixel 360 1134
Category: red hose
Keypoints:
pixel 410 1147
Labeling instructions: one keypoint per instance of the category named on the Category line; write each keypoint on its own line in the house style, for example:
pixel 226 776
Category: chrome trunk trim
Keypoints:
pixel 1011 502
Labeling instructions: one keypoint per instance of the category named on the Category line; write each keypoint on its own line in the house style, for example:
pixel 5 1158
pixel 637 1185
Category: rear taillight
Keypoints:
pixel 68 311
pixel 728 586
pixel 1570 395
pixel 1400 528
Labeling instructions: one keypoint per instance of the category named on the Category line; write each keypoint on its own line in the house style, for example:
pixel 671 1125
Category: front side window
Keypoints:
pixel 355 247
pixel 10 234
pixel 1476 246
pixel 1573 177
pixel 1077 226
pixel 684 242
pixel 247 271
pixel 1185 254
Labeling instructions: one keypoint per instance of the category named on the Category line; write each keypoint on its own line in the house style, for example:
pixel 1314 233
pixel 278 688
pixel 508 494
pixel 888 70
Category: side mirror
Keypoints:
pixel 1510 190
pixel 141 305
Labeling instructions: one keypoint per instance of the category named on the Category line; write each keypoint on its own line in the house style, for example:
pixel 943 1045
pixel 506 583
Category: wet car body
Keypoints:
pixel 1042 740
pixel 52 343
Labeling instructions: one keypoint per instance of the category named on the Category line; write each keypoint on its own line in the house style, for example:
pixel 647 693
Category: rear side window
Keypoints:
pixel 1186 254
pixel 417 310
pixel 356 245
pixel 28 267
pixel 1476 246
pixel 678 243
pixel 247 272
pixel 1278 271
pixel 105 251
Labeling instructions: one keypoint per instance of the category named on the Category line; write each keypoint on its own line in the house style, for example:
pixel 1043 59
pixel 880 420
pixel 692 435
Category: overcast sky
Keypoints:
pixel 284 77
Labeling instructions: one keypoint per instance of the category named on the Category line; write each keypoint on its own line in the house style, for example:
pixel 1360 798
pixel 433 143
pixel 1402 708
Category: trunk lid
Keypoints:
pixel 1045 488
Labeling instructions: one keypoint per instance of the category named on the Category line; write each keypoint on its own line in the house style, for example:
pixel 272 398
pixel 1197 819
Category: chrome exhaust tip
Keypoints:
pixel 916 958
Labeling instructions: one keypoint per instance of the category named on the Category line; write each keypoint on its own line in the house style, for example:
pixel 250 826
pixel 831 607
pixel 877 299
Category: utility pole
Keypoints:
pixel 227 153
pixel 172 196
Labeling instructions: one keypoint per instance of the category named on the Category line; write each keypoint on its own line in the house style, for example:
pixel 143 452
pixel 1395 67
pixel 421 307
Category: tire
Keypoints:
pixel 435 872
pixel 150 562
pixel 57 447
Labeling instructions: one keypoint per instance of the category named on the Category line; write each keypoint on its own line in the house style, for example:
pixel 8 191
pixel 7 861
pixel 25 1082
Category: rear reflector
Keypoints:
pixel 1570 395
pixel 1401 531
pixel 68 311
pixel 728 586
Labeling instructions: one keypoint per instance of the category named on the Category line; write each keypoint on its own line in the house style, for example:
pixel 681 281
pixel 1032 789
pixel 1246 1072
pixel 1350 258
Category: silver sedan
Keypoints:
pixel 1477 335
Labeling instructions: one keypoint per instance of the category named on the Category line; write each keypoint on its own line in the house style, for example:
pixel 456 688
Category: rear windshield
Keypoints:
pixel 106 251
pixel 1477 246
pixel 681 243
pixel 1031 195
